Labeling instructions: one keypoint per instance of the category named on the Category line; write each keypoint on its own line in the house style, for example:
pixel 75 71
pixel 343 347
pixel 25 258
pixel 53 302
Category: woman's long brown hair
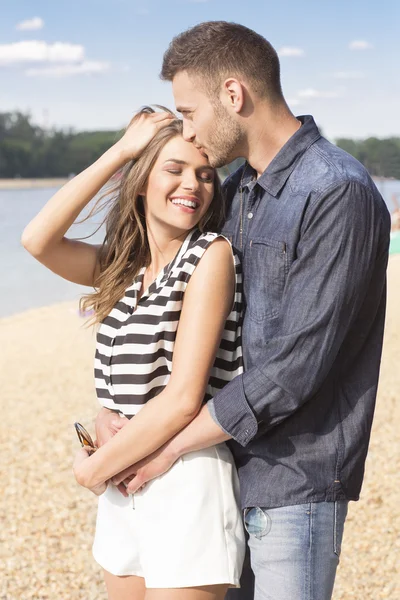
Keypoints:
pixel 125 249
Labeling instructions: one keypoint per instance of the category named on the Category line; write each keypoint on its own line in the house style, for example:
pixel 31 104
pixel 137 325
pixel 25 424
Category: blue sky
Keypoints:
pixel 90 64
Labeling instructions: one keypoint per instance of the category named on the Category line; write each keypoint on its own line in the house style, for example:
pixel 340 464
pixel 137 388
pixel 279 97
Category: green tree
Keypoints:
pixel 26 150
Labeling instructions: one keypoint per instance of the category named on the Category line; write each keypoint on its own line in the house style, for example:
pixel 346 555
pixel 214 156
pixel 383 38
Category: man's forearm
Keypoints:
pixel 202 432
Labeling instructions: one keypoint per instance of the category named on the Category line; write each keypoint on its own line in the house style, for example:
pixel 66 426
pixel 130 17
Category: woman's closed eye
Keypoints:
pixel 204 176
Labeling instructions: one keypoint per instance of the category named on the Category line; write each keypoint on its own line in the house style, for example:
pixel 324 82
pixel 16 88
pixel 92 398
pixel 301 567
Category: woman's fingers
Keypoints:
pixel 161 116
pixel 140 133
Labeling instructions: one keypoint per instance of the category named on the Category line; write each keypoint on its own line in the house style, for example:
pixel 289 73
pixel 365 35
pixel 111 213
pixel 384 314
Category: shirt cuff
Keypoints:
pixel 231 411
pixel 211 410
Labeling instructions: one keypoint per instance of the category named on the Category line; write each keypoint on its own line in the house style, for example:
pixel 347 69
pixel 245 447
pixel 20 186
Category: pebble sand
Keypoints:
pixel 47 521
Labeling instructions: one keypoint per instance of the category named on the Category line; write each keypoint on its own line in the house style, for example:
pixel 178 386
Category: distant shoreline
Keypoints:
pixel 25 184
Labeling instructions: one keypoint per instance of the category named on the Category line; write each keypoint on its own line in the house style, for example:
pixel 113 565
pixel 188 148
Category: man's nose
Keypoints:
pixel 188 132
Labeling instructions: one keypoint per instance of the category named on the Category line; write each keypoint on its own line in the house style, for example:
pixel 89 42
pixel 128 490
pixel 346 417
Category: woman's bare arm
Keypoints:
pixel 44 237
pixel 207 303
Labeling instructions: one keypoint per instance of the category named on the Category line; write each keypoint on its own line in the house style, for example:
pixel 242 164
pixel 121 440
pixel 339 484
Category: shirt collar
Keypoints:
pixel 278 171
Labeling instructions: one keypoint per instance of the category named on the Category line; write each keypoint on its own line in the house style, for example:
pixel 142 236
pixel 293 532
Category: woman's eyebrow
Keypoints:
pixel 183 162
pixel 176 160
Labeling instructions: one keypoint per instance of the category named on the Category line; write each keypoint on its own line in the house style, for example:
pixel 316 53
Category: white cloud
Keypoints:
pixel 349 75
pixel 360 45
pixel 84 68
pixel 290 51
pixel 313 93
pixel 30 24
pixel 40 52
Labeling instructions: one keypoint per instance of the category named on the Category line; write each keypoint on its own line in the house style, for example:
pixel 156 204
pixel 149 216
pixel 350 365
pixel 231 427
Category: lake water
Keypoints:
pixel 25 283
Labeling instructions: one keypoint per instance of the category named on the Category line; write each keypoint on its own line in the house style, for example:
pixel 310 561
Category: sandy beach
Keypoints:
pixel 27 184
pixel 47 521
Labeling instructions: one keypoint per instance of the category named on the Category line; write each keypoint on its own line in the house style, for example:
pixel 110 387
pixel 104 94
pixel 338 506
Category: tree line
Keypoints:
pixel 29 151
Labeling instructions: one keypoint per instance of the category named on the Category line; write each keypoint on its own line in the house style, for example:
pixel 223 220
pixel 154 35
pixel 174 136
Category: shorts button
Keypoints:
pixel 250 215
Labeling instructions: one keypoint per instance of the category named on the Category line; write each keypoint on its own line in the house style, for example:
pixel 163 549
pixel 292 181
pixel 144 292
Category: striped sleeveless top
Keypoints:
pixel 135 342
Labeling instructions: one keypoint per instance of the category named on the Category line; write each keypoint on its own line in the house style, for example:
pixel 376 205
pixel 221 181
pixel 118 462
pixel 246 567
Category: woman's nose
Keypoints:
pixel 190 182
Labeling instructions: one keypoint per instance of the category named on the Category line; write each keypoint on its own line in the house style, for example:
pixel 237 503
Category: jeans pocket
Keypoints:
pixel 257 522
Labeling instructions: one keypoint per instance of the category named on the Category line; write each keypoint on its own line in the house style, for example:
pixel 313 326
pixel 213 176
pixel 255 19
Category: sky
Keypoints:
pixel 90 64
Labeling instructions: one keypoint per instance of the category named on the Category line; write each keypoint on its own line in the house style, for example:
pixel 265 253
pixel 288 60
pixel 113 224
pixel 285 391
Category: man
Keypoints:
pixel 313 234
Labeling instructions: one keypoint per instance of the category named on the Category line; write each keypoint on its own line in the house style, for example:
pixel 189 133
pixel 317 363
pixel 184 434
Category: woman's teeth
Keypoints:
pixel 183 202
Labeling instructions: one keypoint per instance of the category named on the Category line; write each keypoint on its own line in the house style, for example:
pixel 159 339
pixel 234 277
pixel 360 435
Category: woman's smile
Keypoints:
pixel 189 204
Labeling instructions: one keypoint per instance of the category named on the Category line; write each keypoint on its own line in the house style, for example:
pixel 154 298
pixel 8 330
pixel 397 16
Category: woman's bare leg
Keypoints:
pixel 207 592
pixel 124 588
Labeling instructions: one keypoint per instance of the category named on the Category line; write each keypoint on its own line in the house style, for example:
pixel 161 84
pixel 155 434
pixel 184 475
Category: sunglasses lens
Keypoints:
pixel 83 436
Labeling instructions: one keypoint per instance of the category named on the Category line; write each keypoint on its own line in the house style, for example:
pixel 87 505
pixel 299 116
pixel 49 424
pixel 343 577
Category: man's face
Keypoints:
pixel 206 124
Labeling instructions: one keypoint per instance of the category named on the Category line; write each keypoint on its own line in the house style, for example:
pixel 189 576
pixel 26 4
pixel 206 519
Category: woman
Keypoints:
pixel 168 301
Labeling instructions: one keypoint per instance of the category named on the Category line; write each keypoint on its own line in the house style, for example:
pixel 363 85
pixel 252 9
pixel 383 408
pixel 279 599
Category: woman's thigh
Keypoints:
pixel 207 592
pixel 124 588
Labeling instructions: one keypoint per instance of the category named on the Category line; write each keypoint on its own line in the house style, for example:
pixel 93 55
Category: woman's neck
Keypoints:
pixel 163 248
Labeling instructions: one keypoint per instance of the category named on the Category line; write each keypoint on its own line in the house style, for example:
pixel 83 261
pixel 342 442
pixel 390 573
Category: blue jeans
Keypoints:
pixel 294 552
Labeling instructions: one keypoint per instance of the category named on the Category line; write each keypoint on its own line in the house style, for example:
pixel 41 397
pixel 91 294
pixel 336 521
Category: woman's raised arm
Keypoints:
pixel 44 235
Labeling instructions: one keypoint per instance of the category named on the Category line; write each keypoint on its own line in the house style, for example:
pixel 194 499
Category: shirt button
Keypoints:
pixel 250 215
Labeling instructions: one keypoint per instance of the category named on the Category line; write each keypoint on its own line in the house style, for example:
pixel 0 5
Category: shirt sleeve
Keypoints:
pixel 343 242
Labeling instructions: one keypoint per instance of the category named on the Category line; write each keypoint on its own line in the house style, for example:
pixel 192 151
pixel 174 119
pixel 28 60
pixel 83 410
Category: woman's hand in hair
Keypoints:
pixel 141 131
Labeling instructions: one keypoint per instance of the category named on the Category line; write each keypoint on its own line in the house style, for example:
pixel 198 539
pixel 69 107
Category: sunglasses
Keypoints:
pixel 84 438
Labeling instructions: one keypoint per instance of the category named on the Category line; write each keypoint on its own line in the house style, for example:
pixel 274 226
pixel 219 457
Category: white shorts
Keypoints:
pixel 184 529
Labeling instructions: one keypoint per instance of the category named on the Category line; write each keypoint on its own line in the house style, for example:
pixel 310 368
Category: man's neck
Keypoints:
pixel 267 134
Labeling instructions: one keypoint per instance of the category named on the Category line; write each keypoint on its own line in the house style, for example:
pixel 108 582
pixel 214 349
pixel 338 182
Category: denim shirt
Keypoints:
pixel 313 235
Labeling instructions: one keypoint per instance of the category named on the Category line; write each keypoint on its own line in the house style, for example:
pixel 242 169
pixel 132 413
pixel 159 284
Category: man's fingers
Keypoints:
pixel 120 477
pixel 122 489
pixel 136 483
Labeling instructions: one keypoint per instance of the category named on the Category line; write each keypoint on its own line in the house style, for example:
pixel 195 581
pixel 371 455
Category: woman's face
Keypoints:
pixel 180 187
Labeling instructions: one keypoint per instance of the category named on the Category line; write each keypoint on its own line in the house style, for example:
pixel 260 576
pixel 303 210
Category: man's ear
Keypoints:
pixel 232 94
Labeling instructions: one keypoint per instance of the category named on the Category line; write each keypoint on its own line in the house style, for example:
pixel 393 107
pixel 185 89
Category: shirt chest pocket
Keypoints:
pixel 267 266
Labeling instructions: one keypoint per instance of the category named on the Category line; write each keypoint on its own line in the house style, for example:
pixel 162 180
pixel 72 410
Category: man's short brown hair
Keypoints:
pixel 214 50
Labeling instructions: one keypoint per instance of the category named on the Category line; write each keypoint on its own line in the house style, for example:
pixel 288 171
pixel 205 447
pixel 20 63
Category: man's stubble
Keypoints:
pixel 225 137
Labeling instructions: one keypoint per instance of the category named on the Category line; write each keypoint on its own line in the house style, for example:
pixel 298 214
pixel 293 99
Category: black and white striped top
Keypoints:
pixel 135 342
